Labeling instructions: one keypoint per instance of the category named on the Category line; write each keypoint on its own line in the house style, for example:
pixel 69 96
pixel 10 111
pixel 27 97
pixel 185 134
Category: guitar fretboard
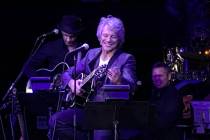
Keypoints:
pixel 100 69
pixel 88 78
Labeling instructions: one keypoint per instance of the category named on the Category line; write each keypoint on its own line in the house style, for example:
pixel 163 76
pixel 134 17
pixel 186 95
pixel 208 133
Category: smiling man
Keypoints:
pixel 121 69
pixel 167 105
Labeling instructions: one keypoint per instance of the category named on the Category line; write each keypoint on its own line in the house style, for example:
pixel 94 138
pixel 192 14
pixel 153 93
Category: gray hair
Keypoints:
pixel 116 24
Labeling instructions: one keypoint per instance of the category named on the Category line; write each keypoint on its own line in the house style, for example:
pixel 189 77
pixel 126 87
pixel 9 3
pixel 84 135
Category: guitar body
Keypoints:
pixel 85 94
pixel 58 69
pixel 53 76
pixel 80 101
pixel 87 90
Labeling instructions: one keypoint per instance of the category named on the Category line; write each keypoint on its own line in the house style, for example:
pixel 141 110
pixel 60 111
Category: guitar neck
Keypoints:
pixel 88 78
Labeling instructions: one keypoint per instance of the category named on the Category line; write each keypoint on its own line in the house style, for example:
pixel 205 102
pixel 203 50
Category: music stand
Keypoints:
pixel 37 108
pixel 116 114
pixel 103 115
pixel 38 84
pixel 115 92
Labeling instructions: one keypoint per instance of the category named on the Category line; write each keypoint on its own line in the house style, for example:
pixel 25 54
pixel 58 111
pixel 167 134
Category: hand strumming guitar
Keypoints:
pixel 78 86
pixel 114 75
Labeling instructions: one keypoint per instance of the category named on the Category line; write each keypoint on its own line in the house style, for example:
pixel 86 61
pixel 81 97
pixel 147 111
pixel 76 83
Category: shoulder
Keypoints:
pixel 126 56
pixel 94 51
pixel 54 43
pixel 172 87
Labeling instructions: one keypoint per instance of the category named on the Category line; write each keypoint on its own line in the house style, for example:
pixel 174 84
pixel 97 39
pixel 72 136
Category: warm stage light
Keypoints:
pixel 207 52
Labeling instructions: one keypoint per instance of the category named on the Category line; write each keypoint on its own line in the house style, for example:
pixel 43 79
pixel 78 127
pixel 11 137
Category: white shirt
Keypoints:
pixel 102 62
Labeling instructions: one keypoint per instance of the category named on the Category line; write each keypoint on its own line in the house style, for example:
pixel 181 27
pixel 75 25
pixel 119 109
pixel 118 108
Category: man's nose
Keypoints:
pixel 68 38
pixel 109 38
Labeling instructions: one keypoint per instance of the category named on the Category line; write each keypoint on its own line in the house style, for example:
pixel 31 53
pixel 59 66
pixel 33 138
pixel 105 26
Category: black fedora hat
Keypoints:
pixel 70 24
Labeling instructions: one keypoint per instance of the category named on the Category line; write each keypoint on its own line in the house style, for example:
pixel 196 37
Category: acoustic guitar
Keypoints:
pixel 86 87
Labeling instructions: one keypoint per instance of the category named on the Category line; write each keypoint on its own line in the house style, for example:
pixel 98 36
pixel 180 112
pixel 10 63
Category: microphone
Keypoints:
pixel 85 46
pixel 53 32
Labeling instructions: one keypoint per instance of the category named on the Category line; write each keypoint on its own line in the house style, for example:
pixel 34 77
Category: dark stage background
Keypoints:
pixel 150 26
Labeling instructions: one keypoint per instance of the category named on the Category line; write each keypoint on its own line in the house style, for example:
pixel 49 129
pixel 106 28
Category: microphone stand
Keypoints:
pixel 61 92
pixel 34 50
pixel 12 86
pixel 75 115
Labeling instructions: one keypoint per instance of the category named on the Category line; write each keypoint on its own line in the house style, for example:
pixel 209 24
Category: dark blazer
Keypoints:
pixel 126 62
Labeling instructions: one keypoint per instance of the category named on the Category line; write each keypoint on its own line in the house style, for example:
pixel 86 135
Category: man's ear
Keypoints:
pixel 169 76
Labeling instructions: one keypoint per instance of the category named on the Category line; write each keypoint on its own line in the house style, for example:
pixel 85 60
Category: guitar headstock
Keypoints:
pixel 101 71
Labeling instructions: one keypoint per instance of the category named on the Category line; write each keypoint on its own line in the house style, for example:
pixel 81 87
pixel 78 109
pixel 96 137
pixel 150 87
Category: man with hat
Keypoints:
pixel 54 56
